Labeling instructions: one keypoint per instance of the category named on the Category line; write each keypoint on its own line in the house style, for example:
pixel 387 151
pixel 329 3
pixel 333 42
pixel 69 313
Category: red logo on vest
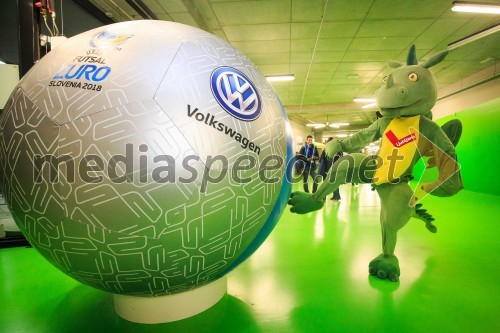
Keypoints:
pixel 399 142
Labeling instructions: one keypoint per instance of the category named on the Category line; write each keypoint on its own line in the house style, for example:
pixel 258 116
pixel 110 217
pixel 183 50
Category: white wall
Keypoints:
pixel 299 134
pixel 9 77
pixel 467 93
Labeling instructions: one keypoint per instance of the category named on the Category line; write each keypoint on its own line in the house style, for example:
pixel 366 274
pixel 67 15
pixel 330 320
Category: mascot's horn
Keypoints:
pixel 412 56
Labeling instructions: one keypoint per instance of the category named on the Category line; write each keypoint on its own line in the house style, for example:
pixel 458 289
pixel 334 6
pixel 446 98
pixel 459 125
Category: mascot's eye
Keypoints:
pixel 384 80
pixel 413 77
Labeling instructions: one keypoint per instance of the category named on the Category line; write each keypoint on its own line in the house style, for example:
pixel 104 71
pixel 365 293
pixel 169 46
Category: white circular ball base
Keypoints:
pixel 168 308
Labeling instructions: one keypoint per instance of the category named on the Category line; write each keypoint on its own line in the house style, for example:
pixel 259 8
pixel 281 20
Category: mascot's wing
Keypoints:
pixel 442 143
pixel 453 130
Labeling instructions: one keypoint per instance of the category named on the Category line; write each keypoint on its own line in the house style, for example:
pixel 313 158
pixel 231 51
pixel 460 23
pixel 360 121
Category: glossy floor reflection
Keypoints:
pixel 309 276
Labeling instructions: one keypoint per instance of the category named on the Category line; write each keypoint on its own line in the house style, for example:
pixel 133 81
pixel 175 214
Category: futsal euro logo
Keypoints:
pixel 235 93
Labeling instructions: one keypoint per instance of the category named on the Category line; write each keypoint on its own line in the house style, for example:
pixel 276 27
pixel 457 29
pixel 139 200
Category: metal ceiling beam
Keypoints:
pixel 94 11
pixel 143 10
pixel 29 33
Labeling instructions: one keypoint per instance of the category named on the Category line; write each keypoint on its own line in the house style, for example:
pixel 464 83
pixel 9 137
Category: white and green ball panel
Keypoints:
pixel 148 238
pixel 103 237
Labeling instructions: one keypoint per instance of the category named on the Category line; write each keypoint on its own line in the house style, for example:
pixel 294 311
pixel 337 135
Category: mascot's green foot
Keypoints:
pixel 303 203
pixel 385 267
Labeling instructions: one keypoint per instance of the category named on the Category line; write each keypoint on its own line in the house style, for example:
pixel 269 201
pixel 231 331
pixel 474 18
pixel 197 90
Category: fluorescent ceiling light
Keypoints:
pixel 316 125
pixel 474 37
pixel 363 100
pixel 342 135
pixel 278 78
pixel 327 124
pixel 476 7
pixel 367 106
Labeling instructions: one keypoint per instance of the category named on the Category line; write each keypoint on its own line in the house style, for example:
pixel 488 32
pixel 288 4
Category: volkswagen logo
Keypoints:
pixel 235 93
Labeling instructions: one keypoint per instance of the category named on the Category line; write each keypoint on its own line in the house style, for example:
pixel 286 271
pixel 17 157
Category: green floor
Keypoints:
pixel 309 276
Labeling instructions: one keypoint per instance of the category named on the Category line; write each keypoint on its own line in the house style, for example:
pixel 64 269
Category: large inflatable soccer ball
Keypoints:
pixel 145 158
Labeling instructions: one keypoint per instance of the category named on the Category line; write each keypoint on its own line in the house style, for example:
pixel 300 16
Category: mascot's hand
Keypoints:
pixel 303 203
pixel 431 162
pixel 332 148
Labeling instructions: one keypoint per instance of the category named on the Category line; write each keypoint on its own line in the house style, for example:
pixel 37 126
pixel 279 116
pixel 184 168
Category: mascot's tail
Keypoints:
pixel 423 215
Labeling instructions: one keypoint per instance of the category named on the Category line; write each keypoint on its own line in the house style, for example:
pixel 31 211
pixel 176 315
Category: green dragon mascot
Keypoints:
pixel 405 100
